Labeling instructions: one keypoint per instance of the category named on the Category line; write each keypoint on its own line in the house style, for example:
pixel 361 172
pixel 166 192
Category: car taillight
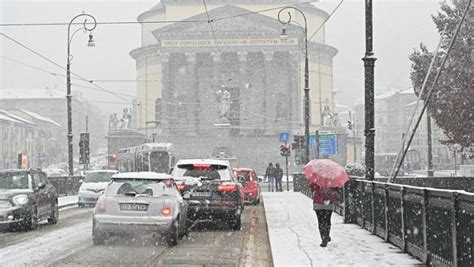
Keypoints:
pixel 227 188
pixel 101 207
pixel 166 211
pixel 181 186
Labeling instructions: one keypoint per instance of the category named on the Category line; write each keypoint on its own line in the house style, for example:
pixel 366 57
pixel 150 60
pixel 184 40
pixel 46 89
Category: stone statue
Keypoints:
pixel 126 120
pixel 223 98
pixel 113 122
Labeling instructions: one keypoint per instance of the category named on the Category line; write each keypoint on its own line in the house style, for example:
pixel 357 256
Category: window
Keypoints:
pixel 36 179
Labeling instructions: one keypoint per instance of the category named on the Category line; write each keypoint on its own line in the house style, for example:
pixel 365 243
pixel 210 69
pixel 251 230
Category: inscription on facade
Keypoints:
pixel 229 42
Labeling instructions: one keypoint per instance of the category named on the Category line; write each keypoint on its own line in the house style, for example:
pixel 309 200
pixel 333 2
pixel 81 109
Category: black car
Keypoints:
pixel 211 190
pixel 26 197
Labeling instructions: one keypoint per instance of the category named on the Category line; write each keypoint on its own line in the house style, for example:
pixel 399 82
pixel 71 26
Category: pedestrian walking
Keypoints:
pixel 270 176
pixel 324 203
pixel 325 178
pixel 279 177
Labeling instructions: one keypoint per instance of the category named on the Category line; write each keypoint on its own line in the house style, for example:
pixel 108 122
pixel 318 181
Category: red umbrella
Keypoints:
pixel 325 173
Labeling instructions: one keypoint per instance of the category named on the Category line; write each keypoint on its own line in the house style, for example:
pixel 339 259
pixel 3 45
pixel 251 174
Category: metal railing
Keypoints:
pixel 65 185
pixel 434 225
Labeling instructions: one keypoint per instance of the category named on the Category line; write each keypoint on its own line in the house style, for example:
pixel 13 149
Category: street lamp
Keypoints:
pixel 306 74
pixel 86 27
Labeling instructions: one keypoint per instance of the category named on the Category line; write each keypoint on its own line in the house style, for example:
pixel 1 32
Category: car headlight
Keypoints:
pixel 20 199
pixel 82 189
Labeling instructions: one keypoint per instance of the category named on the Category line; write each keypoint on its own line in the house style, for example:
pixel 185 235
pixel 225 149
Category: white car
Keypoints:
pixel 93 186
pixel 145 203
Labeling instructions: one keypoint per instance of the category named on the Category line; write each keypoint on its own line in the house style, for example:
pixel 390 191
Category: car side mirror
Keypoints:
pixel 81 181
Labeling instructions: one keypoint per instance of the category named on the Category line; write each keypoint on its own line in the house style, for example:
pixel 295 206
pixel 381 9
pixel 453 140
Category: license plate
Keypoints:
pixel 201 194
pixel 134 206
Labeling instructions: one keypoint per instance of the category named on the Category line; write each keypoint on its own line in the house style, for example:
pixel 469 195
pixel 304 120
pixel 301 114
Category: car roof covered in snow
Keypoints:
pixel 93 171
pixel 204 161
pixel 141 175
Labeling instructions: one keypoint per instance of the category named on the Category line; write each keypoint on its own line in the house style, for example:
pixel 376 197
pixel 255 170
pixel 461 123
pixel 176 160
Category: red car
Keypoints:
pixel 251 188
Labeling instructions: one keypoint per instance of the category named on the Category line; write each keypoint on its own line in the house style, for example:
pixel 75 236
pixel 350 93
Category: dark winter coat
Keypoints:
pixel 270 172
pixel 325 198
pixel 279 173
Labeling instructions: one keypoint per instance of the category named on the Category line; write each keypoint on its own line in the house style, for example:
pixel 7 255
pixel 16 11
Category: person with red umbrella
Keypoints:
pixel 324 178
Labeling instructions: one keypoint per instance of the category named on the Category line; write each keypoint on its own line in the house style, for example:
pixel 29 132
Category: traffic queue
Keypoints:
pixel 130 203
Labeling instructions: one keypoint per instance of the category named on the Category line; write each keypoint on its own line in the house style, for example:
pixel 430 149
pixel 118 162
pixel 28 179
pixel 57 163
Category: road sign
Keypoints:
pixel 42 156
pixel 284 137
pixel 328 144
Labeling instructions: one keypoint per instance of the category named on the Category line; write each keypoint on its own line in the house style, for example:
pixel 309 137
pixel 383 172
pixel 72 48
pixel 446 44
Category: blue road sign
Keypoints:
pixel 284 137
pixel 328 144
pixel 42 156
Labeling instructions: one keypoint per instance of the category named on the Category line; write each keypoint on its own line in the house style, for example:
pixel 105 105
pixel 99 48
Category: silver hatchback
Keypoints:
pixel 140 203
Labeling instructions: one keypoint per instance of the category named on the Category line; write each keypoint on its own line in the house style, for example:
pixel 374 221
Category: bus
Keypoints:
pixel 151 157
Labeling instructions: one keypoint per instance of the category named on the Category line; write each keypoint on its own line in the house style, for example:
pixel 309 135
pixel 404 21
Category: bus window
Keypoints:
pixel 160 162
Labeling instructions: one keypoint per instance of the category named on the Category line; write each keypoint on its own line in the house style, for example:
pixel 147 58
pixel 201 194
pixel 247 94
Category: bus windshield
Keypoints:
pixel 159 162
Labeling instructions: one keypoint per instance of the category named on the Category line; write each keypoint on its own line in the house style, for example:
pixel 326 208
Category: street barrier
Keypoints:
pixel 434 225
pixel 66 185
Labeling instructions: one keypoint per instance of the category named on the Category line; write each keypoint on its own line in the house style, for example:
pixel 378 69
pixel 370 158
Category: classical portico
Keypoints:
pixel 240 80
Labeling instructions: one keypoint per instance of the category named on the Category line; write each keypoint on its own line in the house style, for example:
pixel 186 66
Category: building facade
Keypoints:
pixel 231 79
pixel 36 136
pixel 393 112
pixel 51 103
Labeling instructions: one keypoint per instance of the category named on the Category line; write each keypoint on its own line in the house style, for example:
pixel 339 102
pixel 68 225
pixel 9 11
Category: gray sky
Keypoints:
pixel 399 26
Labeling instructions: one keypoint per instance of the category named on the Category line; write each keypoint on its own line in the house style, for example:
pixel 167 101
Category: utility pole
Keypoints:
pixel 429 139
pixel 286 165
pixel 369 64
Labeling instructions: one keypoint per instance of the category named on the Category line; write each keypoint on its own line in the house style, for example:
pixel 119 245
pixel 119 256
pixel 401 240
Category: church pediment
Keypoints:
pixel 227 21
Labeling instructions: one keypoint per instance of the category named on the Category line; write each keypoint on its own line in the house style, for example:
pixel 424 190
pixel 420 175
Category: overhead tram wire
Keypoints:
pixel 58 65
pixel 149 22
pixel 324 22
pixel 210 21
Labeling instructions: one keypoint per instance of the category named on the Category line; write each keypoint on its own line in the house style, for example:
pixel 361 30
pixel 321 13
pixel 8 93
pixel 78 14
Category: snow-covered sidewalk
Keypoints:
pixel 67 201
pixel 294 237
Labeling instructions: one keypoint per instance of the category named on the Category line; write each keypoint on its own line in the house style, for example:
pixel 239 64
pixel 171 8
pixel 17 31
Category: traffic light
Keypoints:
pixel 81 151
pixel 84 152
pixel 285 150
pixel 349 125
pixel 298 159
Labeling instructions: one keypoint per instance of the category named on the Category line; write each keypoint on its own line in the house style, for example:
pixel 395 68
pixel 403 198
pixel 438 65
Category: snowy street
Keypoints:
pixel 69 242
pixel 295 240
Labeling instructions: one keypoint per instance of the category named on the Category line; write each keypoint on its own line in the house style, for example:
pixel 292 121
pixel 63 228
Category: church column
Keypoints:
pixel 192 95
pixel 166 122
pixel 294 91
pixel 246 92
pixel 267 91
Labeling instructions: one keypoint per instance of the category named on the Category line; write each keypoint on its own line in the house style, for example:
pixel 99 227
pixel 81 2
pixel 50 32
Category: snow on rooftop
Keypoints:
pixel 41 118
pixel 16 117
pixel 28 93
pixel 142 175
pixel 9 119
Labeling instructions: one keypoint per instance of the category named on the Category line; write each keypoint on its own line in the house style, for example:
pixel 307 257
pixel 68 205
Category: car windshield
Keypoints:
pixel 13 180
pixel 98 177
pixel 203 171
pixel 138 187
pixel 245 175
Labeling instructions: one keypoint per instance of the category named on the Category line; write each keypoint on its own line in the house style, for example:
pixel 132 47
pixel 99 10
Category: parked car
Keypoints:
pixel 211 190
pixel 26 198
pixel 140 202
pixel 251 187
pixel 93 186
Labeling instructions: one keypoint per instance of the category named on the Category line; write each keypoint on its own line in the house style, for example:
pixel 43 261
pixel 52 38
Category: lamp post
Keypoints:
pixel 306 74
pixel 86 27
pixel 369 64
